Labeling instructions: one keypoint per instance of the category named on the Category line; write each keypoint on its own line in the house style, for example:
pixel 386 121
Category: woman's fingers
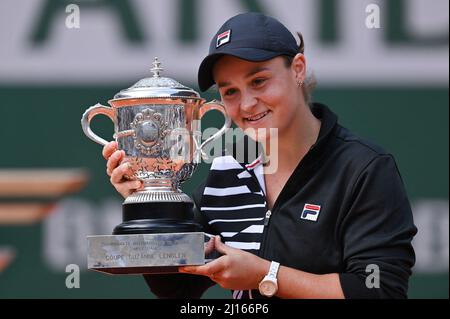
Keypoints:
pixel 118 174
pixel 112 155
pixel 114 161
pixel 127 188
pixel 122 184
pixel 209 246
pixel 109 149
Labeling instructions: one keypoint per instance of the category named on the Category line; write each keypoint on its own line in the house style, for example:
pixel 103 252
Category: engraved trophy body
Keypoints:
pixel 157 124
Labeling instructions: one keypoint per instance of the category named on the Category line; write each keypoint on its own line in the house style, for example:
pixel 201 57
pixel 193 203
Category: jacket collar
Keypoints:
pixel 328 124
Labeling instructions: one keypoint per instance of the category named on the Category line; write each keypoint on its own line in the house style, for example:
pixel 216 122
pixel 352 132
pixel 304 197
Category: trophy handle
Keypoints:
pixel 218 106
pixel 89 115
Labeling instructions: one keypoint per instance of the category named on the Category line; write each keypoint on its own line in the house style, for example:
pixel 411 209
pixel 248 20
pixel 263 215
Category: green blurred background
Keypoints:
pixel 388 84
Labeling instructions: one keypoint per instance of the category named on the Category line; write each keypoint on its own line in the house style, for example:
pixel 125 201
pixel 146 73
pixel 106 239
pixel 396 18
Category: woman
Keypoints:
pixel 334 220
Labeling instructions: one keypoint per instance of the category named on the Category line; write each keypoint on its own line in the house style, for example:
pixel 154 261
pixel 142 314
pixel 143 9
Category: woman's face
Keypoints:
pixel 258 95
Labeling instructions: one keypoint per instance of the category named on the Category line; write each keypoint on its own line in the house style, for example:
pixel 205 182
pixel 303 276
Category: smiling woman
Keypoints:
pixel 264 95
pixel 334 210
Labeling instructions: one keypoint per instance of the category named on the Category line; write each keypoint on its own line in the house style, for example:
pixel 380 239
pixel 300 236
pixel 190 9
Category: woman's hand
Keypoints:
pixel 236 269
pixel 118 170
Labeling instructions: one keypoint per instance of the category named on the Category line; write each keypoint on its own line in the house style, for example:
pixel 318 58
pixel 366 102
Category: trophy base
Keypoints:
pixel 145 253
pixel 157 218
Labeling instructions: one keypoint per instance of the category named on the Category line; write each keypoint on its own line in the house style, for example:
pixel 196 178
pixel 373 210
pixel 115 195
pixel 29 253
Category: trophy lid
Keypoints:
pixel 157 87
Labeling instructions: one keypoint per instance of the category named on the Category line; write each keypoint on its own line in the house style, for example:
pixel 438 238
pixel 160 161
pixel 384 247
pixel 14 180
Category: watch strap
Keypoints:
pixel 273 270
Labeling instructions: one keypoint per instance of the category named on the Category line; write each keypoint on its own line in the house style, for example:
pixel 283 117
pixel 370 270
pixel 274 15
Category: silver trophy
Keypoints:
pixel 157 124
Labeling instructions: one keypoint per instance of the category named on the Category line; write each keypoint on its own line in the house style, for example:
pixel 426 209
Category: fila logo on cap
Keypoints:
pixel 223 38
pixel 310 212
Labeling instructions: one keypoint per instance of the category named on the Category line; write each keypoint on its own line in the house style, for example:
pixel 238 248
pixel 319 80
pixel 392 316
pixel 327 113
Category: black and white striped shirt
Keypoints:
pixel 233 205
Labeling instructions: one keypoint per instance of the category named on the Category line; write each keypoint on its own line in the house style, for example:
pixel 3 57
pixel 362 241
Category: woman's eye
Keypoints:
pixel 258 81
pixel 229 92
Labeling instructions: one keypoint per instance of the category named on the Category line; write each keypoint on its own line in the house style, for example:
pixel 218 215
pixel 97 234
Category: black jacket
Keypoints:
pixel 343 210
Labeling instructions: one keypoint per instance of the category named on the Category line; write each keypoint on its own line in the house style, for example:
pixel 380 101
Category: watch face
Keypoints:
pixel 267 288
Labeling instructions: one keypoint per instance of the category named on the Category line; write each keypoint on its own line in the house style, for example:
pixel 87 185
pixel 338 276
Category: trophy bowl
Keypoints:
pixel 157 123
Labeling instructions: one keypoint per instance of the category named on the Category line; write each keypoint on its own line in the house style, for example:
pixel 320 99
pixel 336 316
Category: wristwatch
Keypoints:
pixel 269 285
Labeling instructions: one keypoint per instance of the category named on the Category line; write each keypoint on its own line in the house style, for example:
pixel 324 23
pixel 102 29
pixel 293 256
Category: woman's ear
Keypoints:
pixel 298 66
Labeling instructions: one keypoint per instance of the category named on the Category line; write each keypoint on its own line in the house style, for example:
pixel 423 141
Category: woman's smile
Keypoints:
pixel 255 119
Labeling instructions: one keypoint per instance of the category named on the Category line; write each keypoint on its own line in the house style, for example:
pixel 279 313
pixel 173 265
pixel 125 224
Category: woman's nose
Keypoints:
pixel 248 102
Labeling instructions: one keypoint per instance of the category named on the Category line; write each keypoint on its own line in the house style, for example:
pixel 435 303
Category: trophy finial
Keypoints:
pixel 156 68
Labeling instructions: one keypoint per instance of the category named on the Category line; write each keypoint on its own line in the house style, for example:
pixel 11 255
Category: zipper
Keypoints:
pixel 267 218
pixel 266 221
pixel 262 248
pixel 265 234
